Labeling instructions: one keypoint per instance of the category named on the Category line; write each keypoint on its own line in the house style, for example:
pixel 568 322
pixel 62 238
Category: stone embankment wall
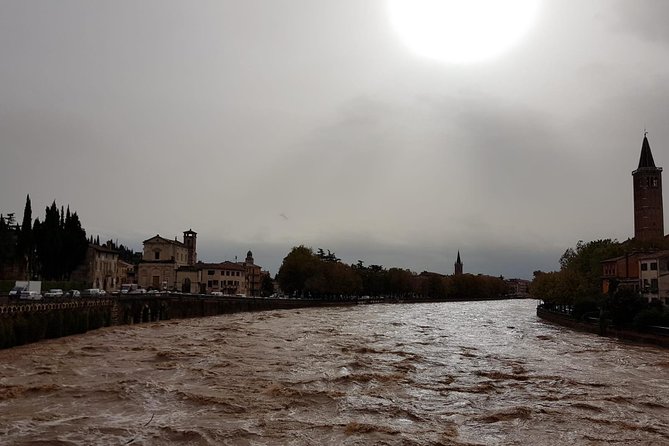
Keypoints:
pixel 654 335
pixel 22 323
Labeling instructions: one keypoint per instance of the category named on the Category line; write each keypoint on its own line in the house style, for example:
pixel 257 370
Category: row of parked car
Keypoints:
pixel 23 291
pixel 56 293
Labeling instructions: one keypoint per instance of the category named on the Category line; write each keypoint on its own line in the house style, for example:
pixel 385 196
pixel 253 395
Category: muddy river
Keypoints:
pixel 472 373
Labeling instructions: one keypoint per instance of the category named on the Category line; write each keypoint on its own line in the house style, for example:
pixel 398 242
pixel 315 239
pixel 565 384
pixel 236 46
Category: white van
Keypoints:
pixel 30 295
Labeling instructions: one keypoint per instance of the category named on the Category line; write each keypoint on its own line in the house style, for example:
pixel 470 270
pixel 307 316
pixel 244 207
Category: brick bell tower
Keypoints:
pixel 648 213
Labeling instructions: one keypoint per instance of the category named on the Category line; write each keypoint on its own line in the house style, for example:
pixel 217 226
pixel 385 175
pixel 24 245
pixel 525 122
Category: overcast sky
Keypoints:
pixel 267 124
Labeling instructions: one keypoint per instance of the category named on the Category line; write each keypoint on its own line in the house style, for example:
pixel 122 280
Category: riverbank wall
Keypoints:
pixel 23 323
pixel 658 336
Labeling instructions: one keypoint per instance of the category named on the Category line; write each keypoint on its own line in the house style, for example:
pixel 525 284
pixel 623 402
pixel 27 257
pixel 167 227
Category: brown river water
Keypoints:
pixel 474 373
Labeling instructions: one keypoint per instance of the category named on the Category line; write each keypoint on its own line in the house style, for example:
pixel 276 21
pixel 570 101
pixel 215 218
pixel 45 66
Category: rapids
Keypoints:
pixel 474 373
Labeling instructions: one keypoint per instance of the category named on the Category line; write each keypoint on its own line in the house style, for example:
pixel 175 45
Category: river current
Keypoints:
pixel 457 373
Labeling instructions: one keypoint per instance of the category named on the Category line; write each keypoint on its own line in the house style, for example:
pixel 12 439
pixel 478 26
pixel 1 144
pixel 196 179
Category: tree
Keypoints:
pixel 266 285
pixel 297 267
pixel 308 274
pixel 25 244
pixel 75 242
pixel 373 279
pixel 584 264
pixel 7 241
pixel 400 282
pixel 49 244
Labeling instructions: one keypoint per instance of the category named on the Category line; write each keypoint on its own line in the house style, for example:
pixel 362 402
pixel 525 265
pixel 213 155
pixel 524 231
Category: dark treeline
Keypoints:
pixel 577 286
pixel 321 275
pixel 49 249
pixel 124 253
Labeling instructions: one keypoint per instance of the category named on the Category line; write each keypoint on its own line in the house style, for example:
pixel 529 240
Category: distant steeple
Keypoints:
pixel 646 159
pixel 458 265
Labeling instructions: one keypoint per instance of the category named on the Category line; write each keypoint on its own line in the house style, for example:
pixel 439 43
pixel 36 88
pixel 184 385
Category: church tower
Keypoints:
pixel 648 213
pixel 190 240
pixel 458 266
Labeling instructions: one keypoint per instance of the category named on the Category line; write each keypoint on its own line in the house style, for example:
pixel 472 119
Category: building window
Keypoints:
pixel 644 267
pixel 653 266
pixel 227 273
pixel 156 255
pixel 209 283
pixel 215 282
pixel 210 272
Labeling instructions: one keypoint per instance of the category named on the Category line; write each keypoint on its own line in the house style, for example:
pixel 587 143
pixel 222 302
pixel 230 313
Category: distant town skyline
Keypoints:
pixel 265 125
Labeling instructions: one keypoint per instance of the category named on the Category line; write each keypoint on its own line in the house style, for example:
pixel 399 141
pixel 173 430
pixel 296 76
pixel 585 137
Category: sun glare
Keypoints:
pixel 461 31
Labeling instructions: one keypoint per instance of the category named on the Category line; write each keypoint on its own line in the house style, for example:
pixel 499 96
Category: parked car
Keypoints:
pixel 72 293
pixel 15 292
pixel 217 293
pixel 128 288
pixel 30 295
pixel 91 292
pixel 54 292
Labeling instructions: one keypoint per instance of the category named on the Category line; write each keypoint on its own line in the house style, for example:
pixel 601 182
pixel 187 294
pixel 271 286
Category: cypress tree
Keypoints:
pixel 25 238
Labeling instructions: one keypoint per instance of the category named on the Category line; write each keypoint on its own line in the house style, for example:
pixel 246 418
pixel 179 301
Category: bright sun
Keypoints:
pixel 461 31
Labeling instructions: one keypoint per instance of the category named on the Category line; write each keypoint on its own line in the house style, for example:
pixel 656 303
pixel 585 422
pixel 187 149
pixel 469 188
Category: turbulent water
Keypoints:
pixel 480 373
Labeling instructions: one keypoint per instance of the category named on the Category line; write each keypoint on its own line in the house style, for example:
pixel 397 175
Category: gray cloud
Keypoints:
pixel 228 117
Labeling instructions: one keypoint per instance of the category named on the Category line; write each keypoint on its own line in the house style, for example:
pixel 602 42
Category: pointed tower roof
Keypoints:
pixel 646 159
pixel 458 261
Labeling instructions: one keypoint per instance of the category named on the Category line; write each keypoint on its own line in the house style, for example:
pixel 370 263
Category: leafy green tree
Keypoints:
pixel 584 263
pixel 623 306
pixel 373 279
pixel 266 285
pixel 431 285
pixel 297 267
pixel 319 275
pixel 400 282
